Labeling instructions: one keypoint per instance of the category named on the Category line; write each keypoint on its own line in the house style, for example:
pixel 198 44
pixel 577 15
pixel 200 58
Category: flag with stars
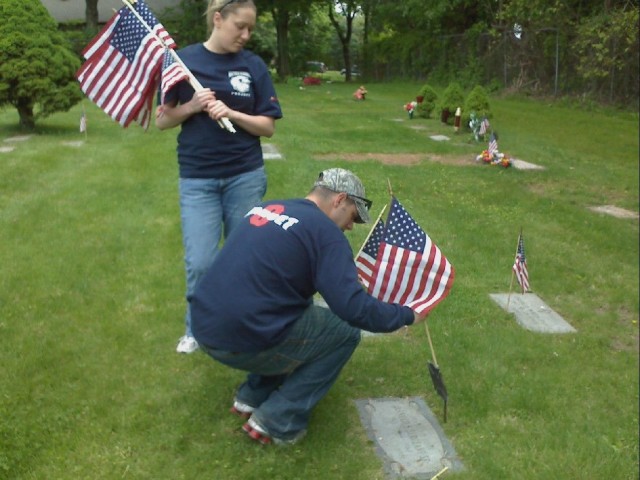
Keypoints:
pixel 493 144
pixel 410 269
pixel 484 126
pixel 123 63
pixel 520 266
pixel 172 73
pixel 366 259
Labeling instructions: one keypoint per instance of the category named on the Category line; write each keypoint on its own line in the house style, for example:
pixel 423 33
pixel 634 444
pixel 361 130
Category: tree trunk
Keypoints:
pixel 27 121
pixel 281 19
pixel 91 14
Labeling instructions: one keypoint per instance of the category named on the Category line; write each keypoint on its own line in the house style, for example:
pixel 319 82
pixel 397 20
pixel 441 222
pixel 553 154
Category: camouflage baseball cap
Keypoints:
pixel 343 181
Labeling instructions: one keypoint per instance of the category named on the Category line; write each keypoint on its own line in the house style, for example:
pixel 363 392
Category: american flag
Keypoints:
pixel 493 144
pixel 83 123
pixel 366 259
pixel 122 65
pixel 172 73
pixel 520 266
pixel 410 269
pixel 484 126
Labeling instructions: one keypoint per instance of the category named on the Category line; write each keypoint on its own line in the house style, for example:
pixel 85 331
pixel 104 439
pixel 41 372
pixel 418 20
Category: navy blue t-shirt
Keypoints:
pixel 267 272
pixel 242 81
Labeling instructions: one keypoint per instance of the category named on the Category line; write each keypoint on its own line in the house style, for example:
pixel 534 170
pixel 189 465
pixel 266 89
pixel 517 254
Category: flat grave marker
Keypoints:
pixel 439 138
pixel 408 437
pixel 615 211
pixel 522 165
pixel 270 152
pixel 532 313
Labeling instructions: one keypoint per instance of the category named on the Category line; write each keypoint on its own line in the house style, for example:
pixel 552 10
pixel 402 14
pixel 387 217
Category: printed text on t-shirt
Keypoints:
pixel 271 213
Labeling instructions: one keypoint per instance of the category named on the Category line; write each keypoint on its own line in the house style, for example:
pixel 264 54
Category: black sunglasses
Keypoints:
pixel 366 201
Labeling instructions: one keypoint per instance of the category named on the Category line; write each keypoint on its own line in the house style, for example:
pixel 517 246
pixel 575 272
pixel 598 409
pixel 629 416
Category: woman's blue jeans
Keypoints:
pixel 210 207
pixel 287 381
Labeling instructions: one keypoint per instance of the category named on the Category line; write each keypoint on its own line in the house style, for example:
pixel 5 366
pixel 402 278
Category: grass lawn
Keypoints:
pixel 91 296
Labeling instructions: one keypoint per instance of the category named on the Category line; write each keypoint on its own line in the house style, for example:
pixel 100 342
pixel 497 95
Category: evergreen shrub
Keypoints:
pixel 428 104
pixel 452 98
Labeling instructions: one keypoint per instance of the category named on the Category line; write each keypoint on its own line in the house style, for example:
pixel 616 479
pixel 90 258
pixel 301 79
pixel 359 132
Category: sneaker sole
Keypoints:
pixel 256 435
pixel 240 413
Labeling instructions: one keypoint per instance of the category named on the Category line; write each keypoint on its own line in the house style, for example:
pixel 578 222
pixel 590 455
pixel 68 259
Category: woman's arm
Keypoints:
pixel 258 125
pixel 171 114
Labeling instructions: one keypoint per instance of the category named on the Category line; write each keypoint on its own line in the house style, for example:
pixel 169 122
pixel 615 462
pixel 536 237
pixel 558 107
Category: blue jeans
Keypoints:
pixel 206 205
pixel 287 381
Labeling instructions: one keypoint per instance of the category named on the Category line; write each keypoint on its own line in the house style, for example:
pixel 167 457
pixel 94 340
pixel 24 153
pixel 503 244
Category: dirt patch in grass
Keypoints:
pixel 407 159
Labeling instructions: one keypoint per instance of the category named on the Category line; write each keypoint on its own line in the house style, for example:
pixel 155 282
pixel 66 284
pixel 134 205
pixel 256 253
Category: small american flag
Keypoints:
pixel 520 266
pixel 122 65
pixel 172 73
pixel 493 144
pixel 83 123
pixel 484 126
pixel 366 259
pixel 410 269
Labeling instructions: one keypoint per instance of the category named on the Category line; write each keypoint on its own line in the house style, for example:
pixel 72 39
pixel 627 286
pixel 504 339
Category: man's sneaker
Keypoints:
pixel 258 433
pixel 241 409
pixel 187 344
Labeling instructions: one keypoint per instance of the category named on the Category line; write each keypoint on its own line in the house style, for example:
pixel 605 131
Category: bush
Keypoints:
pixel 452 98
pixel 478 102
pixel 37 65
pixel 428 104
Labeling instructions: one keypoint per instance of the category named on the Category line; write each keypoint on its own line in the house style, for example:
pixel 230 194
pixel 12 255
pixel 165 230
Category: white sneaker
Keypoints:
pixel 187 345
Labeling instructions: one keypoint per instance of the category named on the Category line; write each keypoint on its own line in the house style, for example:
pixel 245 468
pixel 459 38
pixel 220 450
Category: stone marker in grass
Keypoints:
pixel 407 437
pixel 532 313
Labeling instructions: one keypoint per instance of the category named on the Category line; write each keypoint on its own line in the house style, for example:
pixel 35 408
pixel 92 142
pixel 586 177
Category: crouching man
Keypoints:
pixel 253 310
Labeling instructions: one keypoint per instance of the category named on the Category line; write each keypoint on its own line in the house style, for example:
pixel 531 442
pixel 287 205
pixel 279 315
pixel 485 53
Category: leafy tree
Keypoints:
pixel 37 67
pixel 348 10
pixel 283 13
pixel 607 49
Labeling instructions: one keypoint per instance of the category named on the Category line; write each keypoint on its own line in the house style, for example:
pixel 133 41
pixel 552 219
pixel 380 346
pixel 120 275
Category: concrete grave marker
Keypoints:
pixel 439 138
pixel 532 313
pixel 6 149
pixel 615 211
pixel 522 165
pixel 270 152
pixel 18 138
pixel 408 437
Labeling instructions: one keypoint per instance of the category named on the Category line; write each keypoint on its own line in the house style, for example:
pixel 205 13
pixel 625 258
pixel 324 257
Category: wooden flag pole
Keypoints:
pixel 390 190
pixel 437 475
pixel 513 274
pixel 197 86
pixel 433 352
pixel 371 231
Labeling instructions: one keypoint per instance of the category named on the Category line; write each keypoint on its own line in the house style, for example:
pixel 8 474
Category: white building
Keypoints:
pixel 70 10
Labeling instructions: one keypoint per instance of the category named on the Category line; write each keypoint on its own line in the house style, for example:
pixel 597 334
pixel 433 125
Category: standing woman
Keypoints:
pixel 222 173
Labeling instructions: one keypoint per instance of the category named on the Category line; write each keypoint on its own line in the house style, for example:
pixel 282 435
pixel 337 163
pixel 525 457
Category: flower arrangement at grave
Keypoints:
pixel 491 156
pixel 411 108
pixel 494 158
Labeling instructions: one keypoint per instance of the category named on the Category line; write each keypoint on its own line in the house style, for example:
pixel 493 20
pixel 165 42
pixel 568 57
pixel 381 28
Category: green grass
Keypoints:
pixel 91 298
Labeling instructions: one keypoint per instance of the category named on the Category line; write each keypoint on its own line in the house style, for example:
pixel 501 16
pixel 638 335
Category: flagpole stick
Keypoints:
pixel 513 274
pixel 437 475
pixel 223 122
pixel 390 190
pixel 433 352
pixel 371 231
